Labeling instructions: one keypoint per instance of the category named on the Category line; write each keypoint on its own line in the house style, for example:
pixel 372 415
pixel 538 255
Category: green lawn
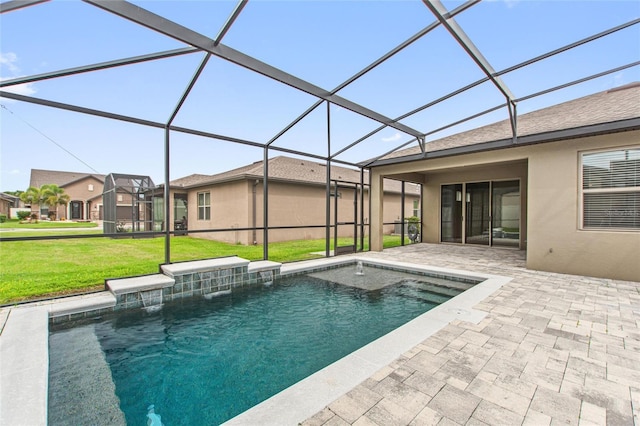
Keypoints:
pixel 40 268
pixel 15 225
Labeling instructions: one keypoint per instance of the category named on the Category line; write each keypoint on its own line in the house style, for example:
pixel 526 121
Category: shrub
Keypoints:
pixel 23 214
pixel 3 218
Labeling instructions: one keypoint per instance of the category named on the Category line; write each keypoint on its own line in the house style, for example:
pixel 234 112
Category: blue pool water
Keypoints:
pixel 204 361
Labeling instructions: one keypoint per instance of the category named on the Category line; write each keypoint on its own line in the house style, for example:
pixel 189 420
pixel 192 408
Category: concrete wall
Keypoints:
pixel 550 197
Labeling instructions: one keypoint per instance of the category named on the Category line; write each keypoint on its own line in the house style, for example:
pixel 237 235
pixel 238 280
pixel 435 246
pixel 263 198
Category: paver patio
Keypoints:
pixel 553 349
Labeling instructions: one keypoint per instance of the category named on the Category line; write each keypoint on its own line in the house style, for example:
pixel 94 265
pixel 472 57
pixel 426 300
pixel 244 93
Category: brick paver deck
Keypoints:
pixel 553 349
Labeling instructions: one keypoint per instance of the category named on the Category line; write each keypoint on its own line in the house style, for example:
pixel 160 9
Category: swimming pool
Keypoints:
pixel 204 361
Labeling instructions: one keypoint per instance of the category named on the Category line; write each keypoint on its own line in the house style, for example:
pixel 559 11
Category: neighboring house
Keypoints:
pixel 567 189
pixel 297 194
pixel 7 202
pixel 84 191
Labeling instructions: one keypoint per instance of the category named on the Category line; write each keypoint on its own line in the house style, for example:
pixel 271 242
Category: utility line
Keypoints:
pixel 54 142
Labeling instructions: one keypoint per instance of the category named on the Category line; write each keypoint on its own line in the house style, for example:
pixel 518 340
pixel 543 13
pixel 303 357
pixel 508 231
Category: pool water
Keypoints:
pixel 205 361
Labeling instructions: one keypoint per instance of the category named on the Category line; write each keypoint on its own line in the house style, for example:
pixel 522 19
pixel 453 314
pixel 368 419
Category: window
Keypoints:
pixel 90 187
pixel 611 189
pixel 204 206
pixel 416 208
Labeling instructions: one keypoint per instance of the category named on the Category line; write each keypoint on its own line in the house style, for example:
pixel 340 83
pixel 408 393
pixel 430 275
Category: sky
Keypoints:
pixel 323 42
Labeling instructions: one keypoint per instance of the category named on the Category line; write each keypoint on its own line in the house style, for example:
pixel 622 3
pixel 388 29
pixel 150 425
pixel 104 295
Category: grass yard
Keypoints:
pixel 44 268
pixel 15 225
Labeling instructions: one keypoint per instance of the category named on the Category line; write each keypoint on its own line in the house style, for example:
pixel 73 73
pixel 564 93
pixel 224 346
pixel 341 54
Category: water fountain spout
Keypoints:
pixel 151 300
pixel 359 268
pixel 267 277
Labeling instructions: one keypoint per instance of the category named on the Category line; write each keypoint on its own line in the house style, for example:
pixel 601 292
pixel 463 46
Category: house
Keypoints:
pixel 8 202
pixel 297 208
pixel 567 189
pixel 84 191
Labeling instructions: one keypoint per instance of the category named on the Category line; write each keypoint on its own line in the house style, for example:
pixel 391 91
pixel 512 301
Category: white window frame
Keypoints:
pixel 204 209
pixel 615 190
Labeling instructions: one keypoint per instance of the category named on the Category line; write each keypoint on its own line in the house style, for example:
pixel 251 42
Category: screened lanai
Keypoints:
pixel 176 90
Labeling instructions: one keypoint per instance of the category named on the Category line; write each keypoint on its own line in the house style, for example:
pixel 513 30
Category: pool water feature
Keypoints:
pixel 204 361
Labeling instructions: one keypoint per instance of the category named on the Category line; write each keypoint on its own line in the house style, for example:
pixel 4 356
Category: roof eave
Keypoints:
pixel 552 136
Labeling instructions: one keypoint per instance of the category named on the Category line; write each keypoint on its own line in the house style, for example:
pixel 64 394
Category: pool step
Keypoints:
pixel 424 292
pixel 433 288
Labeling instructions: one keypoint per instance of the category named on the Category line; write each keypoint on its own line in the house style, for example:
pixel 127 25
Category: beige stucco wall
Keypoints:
pixel 290 205
pixel 556 243
pixel 228 210
pixel 550 196
pixel 79 191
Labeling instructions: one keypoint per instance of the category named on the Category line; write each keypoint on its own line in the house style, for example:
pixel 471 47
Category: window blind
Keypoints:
pixel 611 189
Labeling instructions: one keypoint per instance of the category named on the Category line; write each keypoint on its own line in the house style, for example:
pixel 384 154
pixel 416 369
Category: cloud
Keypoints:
pixel 9 62
pixel 396 137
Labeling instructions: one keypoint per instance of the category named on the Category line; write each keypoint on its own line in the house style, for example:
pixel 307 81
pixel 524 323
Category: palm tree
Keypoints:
pixel 54 196
pixel 32 196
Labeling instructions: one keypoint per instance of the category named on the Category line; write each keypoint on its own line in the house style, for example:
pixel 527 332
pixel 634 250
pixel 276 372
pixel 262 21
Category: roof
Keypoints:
pixel 9 197
pixel 41 177
pixel 615 105
pixel 281 168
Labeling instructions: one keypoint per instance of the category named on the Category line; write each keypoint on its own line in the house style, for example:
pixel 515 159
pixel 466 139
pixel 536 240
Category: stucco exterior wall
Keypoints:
pixel 556 242
pixel 228 210
pixel 304 205
pixel 550 195
pixel 290 205
pixel 79 191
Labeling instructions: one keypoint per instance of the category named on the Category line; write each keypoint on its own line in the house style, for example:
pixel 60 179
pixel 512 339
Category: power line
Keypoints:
pixel 50 139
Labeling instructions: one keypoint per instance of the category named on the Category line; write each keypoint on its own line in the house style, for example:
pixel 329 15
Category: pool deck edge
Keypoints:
pixel 24 367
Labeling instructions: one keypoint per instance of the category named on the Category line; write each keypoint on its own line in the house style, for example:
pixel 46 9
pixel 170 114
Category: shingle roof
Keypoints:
pixel 45 177
pixel 617 104
pixel 285 169
pixel 281 167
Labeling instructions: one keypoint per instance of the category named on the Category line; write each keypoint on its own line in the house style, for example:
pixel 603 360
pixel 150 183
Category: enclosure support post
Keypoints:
pixel 265 205
pixel 361 209
pixel 327 236
pixel 402 213
pixel 167 210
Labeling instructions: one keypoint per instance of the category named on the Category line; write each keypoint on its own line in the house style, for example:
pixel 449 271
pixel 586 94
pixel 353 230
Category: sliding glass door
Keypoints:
pixel 506 213
pixel 477 213
pixel 451 213
pixel 490 215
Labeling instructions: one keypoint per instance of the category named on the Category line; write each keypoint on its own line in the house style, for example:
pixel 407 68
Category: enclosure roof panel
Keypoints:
pixel 218 84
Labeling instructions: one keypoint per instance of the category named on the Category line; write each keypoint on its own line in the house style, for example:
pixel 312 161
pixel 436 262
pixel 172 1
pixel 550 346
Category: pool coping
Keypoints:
pixel 305 398
pixel 27 326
